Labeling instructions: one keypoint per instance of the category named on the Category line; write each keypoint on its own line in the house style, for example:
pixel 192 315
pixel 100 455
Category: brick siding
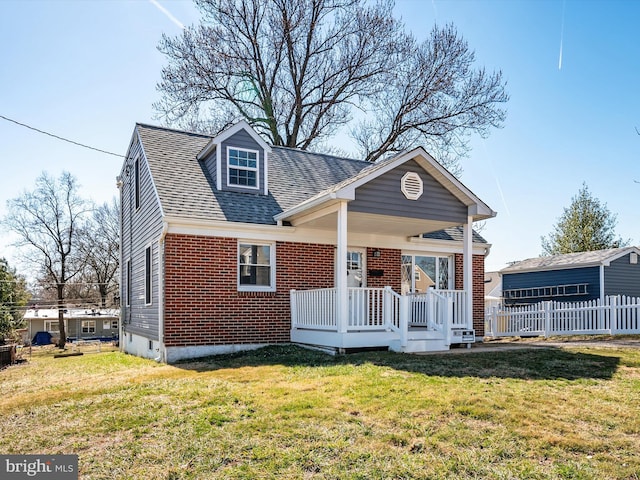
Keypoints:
pixel 478 288
pixel 204 307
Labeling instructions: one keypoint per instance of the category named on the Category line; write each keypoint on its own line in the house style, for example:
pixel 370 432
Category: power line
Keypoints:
pixel 60 138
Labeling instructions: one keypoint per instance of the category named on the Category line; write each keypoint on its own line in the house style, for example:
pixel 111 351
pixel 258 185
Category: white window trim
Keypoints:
pixel 257 169
pixel 128 289
pixel 149 247
pixel 137 190
pixel 450 265
pixel 54 323
pixel 272 265
pixel 88 322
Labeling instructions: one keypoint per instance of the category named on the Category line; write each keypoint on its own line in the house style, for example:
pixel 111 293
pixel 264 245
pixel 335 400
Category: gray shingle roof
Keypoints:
pixel 186 189
pixel 580 259
pixel 455 234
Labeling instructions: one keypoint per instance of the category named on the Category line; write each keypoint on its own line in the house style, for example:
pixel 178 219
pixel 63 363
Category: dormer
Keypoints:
pixel 238 160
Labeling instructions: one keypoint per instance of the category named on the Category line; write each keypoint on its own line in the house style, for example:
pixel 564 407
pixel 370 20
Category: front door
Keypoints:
pixel 357 278
pixel 356 273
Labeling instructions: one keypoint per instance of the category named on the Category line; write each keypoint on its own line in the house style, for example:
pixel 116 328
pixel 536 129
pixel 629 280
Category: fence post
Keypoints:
pixel 548 306
pixel 494 321
pixel 404 320
pixel 613 315
pixel 387 308
pixel 447 321
pixel 294 308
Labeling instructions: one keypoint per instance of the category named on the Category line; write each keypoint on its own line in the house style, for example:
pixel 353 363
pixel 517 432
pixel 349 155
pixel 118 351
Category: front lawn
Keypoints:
pixel 285 412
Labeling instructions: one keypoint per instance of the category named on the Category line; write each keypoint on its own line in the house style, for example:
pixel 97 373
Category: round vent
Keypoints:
pixel 411 185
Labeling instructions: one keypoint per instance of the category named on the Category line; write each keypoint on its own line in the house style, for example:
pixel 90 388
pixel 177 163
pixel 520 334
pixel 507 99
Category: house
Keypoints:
pixel 228 243
pixel 492 289
pixel 572 277
pixel 80 323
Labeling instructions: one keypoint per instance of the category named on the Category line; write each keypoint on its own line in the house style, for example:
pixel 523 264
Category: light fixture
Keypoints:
pixel 376 253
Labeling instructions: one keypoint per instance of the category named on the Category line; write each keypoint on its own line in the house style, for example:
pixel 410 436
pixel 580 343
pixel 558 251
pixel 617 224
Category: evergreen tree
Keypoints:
pixel 585 226
pixel 13 297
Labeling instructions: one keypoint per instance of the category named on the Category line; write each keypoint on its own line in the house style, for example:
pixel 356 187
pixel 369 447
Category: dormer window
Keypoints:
pixel 242 168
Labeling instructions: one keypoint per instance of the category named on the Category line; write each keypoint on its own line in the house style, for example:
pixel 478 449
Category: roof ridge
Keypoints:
pixel 176 130
pixel 327 155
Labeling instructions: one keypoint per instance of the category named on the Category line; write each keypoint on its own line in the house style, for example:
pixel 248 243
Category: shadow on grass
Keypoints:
pixel 530 364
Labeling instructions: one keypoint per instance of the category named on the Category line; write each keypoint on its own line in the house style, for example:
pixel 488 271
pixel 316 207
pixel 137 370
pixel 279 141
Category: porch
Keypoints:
pixel 380 317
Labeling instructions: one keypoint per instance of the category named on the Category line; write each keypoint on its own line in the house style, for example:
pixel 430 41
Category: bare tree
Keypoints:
pixel 100 247
pixel 47 222
pixel 297 70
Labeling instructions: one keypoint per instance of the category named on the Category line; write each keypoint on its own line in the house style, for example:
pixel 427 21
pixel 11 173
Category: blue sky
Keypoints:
pixel 87 71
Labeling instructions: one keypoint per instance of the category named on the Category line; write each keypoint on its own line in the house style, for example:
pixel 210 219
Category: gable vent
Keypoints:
pixel 411 186
pixel 633 258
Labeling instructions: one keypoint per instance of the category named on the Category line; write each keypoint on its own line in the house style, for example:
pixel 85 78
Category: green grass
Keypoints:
pixel 285 412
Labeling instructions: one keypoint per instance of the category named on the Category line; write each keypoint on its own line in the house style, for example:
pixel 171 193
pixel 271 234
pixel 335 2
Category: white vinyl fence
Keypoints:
pixel 616 315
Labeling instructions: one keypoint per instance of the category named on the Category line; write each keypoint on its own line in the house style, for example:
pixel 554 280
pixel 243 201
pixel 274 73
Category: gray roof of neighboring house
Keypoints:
pixel 186 189
pixel 454 234
pixel 568 260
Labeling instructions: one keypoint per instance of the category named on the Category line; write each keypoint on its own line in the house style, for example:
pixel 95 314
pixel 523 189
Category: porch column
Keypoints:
pixel 467 273
pixel 342 294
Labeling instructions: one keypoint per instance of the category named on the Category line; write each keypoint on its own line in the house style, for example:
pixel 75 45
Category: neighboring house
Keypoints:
pixel 573 277
pixel 492 289
pixel 229 243
pixel 79 322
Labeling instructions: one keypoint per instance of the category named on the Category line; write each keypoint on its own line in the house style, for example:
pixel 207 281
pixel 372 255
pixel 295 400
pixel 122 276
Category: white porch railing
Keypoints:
pixel 616 315
pixel 379 309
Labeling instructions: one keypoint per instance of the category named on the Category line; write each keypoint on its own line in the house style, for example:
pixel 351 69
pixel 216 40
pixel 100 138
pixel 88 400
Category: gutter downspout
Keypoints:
pixel 162 357
pixel 120 184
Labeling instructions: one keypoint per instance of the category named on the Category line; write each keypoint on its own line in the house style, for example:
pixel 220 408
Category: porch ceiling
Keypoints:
pixel 376 224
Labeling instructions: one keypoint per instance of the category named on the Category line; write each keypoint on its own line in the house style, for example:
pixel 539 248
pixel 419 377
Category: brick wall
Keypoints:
pixel 203 305
pixel 202 302
pixel 478 288
pixel 390 262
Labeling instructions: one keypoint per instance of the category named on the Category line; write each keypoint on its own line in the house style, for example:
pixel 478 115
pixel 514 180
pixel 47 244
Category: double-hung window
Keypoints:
pixel 242 168
pixel 256 266
pixel 88 326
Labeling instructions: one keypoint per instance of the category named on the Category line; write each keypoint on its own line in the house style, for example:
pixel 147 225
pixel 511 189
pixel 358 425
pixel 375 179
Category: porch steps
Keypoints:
pixel 420 341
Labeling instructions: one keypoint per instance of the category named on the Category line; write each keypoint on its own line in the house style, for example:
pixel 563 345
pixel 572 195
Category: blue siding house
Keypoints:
pixel 572 277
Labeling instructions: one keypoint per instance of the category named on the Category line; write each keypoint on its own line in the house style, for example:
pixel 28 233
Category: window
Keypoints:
pixel 551 291
pixel 428 272
pixel 147 276
pixel 242 168
pixel 51 326
pixel 128 285
pixel 88 326
pixel 109 325
pixel 256 267
pixel 136 180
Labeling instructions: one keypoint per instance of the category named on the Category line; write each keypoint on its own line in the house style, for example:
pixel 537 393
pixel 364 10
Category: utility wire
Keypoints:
pixel 60 138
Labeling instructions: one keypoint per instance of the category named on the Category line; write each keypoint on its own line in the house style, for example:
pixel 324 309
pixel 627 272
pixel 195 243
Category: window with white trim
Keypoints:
pixel 136 179
pixel 429 271
pixel 147 276
pixel 88 326
pixel 242 168
pixel 128 284
pixel 52 326
pixel 256 266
